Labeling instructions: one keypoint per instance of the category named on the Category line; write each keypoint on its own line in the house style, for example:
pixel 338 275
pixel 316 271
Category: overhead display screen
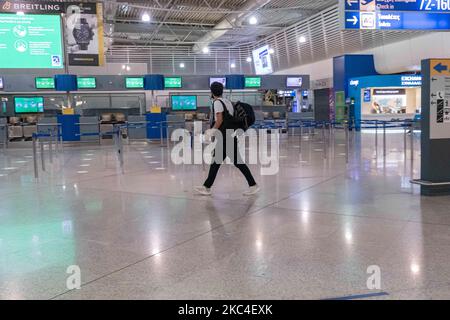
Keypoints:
pixel 173 82
pixel 294 82
pixel 29 104
pixel 134 83
pixel 1 83
pixel 262 61
pixel 253 82
pixel 397 15
pixel 30 41
pixel 45 83
pixel 87 83
pixel 220 80
pixel 184 103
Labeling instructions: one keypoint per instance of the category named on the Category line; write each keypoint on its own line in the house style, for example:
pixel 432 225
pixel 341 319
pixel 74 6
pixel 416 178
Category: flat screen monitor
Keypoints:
pixel 44 83
pixel 1 83
pixel 294 82
pixel 30 40
pixel 29 104
pixel 87 83
pixel 134 83
pixel 173 83
pixel 253 82
pixel 184 103
pixel 217 79
pixel 262 60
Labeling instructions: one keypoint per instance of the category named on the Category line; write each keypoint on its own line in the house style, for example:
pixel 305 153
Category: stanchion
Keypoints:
pixel 300 137
pixel 36 169
pixel 41 144
pixel 405 150
pixel 161 133
pixel 412 145
pixel 376 138
pixel 347 141
pixel 384 139
pixel 50 148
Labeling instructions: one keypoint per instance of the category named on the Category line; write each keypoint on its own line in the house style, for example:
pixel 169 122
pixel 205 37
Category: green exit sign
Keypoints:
pixel 45 83
pixel 173 82
pixel 253 82
pixel 134 83
pixel 87 83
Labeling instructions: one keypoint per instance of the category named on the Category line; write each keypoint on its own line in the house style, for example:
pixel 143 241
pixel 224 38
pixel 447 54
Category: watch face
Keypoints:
pixel 83 34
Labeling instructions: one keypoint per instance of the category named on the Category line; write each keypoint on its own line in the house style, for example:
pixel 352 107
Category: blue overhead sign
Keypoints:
pixel 398 5
pixel 397 14
pixel 394 20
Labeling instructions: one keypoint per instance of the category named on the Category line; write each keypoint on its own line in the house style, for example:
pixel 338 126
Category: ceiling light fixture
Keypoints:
pixel 233 65
pixel 302 39
pixel 146 17
pixel 253 20
pixel 271 51
pixel 249 59
pixel 182 65
pixel 205 50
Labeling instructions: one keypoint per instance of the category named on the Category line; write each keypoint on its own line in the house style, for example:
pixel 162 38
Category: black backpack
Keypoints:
pixel 243 117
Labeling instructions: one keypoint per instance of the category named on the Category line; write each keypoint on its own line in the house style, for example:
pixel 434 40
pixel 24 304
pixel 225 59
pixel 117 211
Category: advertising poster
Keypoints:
pixel 262 60
pixel 84 34
pixel 30 41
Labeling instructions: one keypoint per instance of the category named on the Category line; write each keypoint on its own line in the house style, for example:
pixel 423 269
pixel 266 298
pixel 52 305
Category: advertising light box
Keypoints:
pixel 1 83
pixel 253 82
pixel 134 83
pixel 220 80
pixel 262 61
pixel 30 41
pixel 184 103
pixel 173 82
pixel 29 104
pixel 294 82
pixel 45 83
pixel 87 83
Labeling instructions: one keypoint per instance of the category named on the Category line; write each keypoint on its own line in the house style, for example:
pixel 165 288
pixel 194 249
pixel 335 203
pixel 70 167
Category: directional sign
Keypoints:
pixel 393 20
pixel 398 5
pixel 439 99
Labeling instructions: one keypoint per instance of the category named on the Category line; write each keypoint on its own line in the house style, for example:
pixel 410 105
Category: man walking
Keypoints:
pixel 222 106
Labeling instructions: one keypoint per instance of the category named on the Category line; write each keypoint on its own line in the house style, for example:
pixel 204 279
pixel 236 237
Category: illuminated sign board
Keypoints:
pixel 253 82
pixel 173 82
pixel 134 83
pixel 45 83
pixel 87 83
pixel 396 15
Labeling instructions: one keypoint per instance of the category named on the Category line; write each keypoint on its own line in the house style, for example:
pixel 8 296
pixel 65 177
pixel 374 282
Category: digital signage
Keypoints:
pixel 29 104
pixel 173 82
pixel 253 82
pixel 262 60
pixel 294 82
pixel 1 83
pixel 220 80
pixel 30 41
pixel 44 83
pixel 184 103
pixel 87 83
pixel 396 15
pixel 134 83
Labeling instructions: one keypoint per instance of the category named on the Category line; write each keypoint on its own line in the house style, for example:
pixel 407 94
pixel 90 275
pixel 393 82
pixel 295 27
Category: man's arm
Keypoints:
pixel 219 120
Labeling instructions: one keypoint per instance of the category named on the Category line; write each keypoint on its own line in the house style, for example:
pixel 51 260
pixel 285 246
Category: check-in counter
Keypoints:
pixel 137 129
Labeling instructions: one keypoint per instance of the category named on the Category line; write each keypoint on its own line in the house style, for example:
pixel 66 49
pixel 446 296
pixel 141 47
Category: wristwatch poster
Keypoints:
pixel 83 34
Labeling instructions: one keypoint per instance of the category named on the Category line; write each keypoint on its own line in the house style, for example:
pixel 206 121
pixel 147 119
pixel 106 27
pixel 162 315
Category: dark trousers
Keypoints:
pixel 237 161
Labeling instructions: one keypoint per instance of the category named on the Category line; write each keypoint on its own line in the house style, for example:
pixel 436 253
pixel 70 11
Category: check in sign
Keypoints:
pixel 397 15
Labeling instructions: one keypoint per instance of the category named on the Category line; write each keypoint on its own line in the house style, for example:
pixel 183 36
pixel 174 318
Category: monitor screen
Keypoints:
pixel 30 40
pixel 1 83
pixel 253 82
pixel 45 83
pixel 173 83
pixel 184 103
pixel 87 83
pixel 220 80
pixel 294 82
pixel 262 60
pixel 134 83
pixel 29 104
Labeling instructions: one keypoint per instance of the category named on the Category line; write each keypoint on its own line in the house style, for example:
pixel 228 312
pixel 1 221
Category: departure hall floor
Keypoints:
pixel 312 233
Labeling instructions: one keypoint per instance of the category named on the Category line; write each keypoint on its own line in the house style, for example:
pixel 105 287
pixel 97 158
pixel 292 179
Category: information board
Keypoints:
pixel 45 83
pixel 30 41
pixel 253 82
pixel 87 83
pixel 440 99
pixel 173 82
pixel 134 83
pixel 396 14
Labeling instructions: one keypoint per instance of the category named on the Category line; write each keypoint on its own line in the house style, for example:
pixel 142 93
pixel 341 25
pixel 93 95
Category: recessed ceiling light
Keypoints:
pixel 249 59
pixel 182 65
pixel 205 50
pixel 123 67
pixel 128 68
pixel 146 17
pixel 302 39
pixel 253 20
pixel 233 65
pixel 271 51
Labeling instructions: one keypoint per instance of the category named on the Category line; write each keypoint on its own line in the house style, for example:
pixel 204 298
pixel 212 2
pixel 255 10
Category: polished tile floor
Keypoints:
pixel 312 232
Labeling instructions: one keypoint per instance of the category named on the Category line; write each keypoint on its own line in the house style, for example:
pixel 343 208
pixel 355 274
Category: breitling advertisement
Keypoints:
pixel 84 34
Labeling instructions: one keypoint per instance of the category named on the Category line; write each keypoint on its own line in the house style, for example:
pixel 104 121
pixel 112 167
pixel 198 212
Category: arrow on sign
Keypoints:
pixel 440 67
pixel 433 95
pixel 354 20
pixel 433 79
pixel 351 2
